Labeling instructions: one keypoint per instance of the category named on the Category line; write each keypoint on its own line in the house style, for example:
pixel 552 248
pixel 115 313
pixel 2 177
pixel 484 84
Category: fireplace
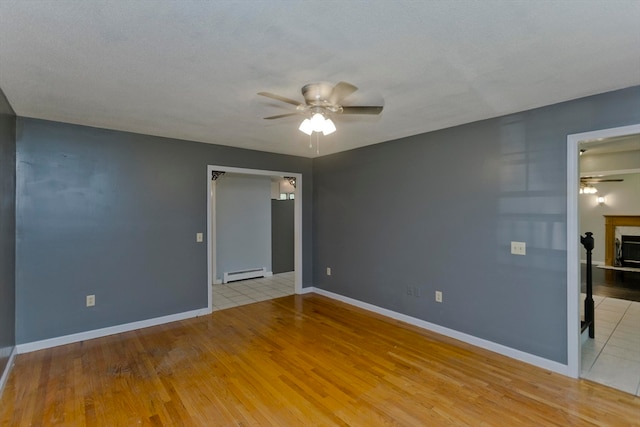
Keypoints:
pixel 630 251
pixel 612 251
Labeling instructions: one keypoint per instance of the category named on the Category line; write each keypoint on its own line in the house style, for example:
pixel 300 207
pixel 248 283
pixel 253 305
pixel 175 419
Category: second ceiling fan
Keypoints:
pixel 586 183
pixel 596 180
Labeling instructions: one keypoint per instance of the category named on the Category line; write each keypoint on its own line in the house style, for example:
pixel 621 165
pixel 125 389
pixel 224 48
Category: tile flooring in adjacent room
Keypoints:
pixel 613 356
pixel 253 290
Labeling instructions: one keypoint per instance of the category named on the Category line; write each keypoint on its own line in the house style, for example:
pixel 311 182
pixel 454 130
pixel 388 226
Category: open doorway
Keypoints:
pixel 583 352
pixel 214 275
pixel 609 207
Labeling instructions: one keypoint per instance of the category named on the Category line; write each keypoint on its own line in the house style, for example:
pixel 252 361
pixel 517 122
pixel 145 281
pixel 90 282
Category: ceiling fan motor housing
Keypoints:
pixel 318 95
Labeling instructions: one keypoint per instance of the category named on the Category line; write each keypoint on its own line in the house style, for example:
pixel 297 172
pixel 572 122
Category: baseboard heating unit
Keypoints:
pixel 244 274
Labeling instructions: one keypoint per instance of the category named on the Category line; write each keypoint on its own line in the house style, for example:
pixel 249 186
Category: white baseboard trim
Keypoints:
pixel 103 332
pixel 307 290
pixel 7 370
pixel 469 339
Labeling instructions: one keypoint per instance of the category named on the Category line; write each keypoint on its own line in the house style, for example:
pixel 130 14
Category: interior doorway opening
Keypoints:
pixel 212 233
pixel 573 238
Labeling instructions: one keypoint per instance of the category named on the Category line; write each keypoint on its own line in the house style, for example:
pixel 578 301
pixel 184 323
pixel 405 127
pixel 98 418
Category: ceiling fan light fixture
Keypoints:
pixel 317 121
pixel 328 127
pixel 306 126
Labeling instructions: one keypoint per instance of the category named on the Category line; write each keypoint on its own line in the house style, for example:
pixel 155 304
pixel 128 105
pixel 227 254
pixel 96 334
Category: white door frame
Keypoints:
pixel 573 233
pixel 211 224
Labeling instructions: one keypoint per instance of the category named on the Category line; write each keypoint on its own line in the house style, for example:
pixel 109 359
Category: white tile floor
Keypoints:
pixel 613 356
pixel 253 290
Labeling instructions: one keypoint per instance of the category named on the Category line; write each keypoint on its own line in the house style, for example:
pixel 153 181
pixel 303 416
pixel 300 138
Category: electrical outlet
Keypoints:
pixel 438 296
pixel 328 271
pixel 518 248
pixel 199 237
pixel 91 300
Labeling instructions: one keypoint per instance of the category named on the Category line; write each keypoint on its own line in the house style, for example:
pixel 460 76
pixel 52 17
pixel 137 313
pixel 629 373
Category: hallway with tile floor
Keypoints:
pixel 613 356
pixel 252 290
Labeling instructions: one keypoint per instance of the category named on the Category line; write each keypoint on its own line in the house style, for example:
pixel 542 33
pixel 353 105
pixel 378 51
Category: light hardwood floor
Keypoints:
pixel 296 361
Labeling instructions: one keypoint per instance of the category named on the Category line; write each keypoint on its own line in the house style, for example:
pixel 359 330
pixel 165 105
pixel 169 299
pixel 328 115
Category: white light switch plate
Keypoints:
pixel 518 248
pixel 199 237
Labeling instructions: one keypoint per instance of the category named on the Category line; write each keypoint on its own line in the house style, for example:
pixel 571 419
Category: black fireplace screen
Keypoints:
pixel 630 251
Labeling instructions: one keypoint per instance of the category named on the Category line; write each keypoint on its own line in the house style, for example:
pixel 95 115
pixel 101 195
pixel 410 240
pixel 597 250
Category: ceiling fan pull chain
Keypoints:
pixel 317 143
pixel 310 145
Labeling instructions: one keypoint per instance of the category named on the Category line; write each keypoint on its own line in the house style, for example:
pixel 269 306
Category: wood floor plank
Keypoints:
pixel 297 360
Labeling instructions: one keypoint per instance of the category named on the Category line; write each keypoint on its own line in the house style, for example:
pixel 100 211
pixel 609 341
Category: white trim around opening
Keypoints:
pixel 573 227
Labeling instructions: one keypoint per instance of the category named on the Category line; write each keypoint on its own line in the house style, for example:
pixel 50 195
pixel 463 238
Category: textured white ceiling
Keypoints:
pixel 191 69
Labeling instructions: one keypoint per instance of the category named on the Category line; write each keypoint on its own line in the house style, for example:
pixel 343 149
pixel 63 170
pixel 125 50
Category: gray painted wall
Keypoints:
pixel 7 230
pixel 621 198
pixel 243 223
pixel 115 214
pixel 437 211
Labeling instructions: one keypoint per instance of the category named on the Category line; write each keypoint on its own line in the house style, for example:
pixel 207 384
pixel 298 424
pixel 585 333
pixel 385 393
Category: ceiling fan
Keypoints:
pixel 586 183
pixel 322 101
pixel 596 180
